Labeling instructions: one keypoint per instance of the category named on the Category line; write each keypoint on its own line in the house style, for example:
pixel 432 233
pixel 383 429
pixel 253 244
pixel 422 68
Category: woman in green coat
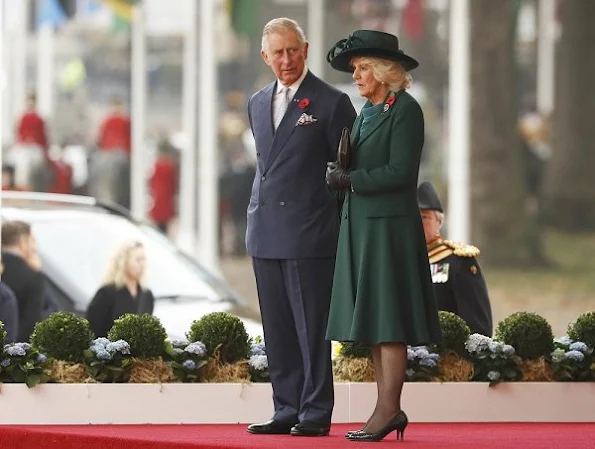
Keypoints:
pixel 382 290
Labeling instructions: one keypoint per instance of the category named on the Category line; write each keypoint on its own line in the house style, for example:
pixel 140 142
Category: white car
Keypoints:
pixel 76 237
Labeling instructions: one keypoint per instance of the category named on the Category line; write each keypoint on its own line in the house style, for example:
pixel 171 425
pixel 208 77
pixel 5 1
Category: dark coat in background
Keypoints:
pixel 110 303
pixel 28 286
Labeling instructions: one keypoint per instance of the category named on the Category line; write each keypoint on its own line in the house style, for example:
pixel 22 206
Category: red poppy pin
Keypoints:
pixel 389 102
pixel 304 102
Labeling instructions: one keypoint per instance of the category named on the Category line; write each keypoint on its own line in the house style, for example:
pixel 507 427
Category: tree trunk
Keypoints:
pixel 569 190
pixel 498 213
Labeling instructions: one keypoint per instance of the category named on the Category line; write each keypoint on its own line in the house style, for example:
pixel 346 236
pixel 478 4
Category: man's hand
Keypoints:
pixel 337 177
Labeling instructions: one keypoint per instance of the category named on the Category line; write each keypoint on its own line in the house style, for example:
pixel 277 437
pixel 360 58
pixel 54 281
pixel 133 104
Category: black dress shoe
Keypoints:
pixel 271 427
pixel 310 429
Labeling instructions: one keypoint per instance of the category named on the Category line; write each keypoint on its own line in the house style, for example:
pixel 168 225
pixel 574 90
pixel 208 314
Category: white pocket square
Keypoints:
pixel 306 119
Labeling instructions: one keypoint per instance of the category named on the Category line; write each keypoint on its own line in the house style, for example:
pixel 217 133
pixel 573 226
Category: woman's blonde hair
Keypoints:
pixel 116 272
pixel 387 72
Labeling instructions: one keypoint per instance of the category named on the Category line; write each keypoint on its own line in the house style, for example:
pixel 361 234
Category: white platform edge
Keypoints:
pixel 236 403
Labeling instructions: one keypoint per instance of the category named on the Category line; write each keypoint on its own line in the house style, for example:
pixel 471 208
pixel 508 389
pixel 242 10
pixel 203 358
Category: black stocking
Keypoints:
pixel 390 363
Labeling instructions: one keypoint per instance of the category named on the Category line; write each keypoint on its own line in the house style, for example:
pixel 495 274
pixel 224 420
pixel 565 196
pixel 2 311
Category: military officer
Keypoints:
pixel 458 281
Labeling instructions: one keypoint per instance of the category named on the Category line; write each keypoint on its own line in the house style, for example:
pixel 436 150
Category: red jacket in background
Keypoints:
pixel 115 133
pixel 31 129
pixel 164 186
pixel 62 182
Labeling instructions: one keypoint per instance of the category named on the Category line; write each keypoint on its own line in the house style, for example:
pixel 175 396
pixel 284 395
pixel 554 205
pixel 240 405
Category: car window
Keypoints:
pixel 80 246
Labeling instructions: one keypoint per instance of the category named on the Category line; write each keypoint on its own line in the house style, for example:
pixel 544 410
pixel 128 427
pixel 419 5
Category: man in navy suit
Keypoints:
pixel 293 228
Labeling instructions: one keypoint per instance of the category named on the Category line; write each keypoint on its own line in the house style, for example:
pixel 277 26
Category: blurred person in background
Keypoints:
pixel 31 127
pixel 163 186
pixel 122 290
pixel 9 310
pixel 29 154
pixel 458 280
pixel 28 285
pixel 8 182
pixel 110 165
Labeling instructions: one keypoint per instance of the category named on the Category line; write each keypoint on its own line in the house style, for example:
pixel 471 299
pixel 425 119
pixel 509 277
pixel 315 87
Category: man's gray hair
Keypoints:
pixel 282 25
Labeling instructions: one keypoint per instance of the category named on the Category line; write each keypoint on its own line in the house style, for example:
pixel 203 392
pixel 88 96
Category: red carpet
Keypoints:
pixel 417 436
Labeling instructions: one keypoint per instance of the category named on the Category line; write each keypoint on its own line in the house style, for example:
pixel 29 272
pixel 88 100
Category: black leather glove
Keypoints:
pixel 337 178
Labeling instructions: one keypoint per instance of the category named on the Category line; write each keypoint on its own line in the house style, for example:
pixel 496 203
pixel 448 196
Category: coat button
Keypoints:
pixel 282 203
pixel 257 154
pixel 262 203
pixel 263 177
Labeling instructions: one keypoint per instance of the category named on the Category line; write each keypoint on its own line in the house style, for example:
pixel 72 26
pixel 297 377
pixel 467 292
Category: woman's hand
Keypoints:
pixel 337 178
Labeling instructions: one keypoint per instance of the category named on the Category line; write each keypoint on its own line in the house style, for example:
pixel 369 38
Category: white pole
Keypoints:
pixel 187 202
pixel 19 55
pixel 45 71
pixel 316 60
pixel 208 195
pixel 139 93
pixel 546 50
pixel 6 122
pixel 2 89
pixel 459 116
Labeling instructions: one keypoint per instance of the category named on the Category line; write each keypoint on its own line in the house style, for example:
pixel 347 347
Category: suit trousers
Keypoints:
pixel 294 297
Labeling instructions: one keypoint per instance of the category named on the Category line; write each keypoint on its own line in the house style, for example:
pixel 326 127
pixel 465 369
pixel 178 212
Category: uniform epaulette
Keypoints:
pixel 462 250
pixel 439 251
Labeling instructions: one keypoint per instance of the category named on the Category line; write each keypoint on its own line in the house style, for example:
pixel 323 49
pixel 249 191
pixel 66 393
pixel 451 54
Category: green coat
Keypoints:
pixel 382 289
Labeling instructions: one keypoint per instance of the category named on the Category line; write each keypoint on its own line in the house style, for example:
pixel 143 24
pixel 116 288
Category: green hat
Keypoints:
pixel 368 43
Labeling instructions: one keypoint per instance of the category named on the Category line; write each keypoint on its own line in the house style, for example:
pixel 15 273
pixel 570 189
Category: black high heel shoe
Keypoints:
pixel 398 423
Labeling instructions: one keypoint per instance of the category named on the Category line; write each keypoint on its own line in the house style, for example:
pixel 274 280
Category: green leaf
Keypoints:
pixel 32 380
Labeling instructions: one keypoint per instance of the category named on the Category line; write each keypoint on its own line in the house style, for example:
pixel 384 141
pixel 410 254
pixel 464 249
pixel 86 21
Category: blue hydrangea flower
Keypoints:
pixel 508 350
pixel 258 349
pixel 559 355
pixel 179 343
pixel 477 343
pixel 410 354
pixel 421 353
pixel 121 346
pixel 259 362
pixel 428 363
pixel 15 351
pixel 433 356
pixel 409 372
pixel 189 365
pixel 579 346
pixel 493 375
pixel 494 346
pixel 197 348
pixel 565 340
pixel 5 363
pixel 25 346
pixel 577 356
pixel 41 358
pixel 102 354
pixel 101 341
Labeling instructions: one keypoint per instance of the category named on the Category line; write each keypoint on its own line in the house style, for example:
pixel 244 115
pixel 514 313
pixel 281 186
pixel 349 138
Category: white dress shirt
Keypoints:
pixel 279 92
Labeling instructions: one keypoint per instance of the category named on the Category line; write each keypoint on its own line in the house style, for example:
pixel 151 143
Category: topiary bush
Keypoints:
pixel 63 336
pixel 583 329
pixel 355 349
pixel 455 332
pixel 223 334
pixel 529 333
pixel 144 333
pixel 2 335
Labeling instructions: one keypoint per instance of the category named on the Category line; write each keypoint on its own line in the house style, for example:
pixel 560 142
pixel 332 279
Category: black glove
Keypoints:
pixel 337 178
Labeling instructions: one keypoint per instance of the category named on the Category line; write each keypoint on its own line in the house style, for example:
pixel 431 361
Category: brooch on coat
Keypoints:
pixel 306 119
pixel 389 102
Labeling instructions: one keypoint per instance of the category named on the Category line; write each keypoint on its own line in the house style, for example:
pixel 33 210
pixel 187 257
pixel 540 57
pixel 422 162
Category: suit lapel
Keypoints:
pixel 264 113
pixel 287 125
pixel 380 120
